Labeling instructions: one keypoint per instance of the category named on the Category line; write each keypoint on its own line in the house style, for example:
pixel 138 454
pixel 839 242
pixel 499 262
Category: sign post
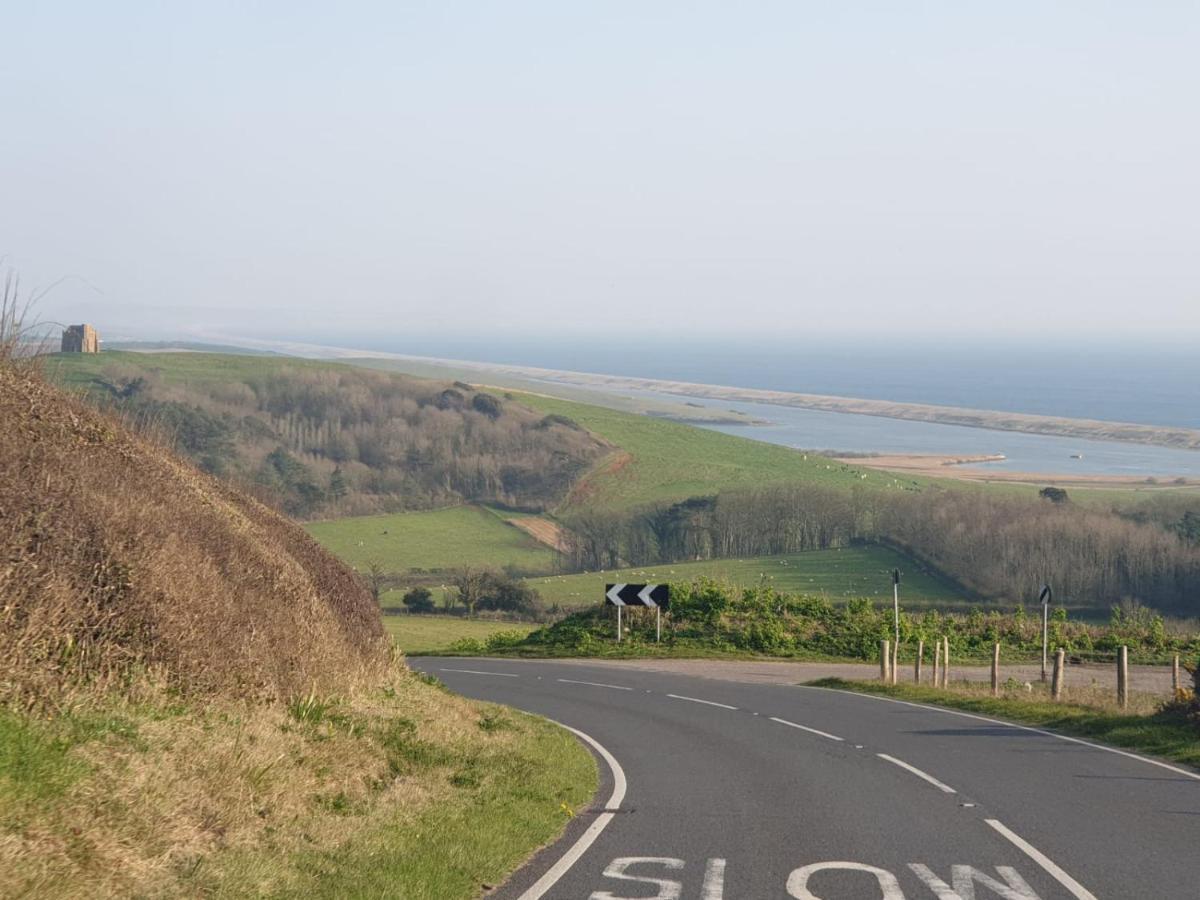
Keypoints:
pixel 1045 597
pixel 655 595
pixel 895 611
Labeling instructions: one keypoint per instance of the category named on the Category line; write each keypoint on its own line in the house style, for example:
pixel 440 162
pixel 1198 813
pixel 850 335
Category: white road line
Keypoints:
pixel 698 700
pixel 1042 731
pixel 1044 861
pixel 477 672
pixel 568 859
pixel 941 786
pixel 615 687
pixel 824 734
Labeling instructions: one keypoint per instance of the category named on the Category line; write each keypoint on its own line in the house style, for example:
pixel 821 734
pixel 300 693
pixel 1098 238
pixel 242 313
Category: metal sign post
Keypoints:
pixel 1045 596
pixel 655 595
pixel 896 602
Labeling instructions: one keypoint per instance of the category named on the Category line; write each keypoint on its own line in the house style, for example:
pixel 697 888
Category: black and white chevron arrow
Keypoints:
pixel 637 595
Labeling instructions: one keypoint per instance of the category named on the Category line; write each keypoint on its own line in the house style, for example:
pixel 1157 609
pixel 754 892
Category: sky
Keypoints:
pixel 393 172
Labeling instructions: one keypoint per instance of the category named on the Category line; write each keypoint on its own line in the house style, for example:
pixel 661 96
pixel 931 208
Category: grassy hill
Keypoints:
pixel 658 460
pixel 197 700
pixel 839 575
pixel 431 541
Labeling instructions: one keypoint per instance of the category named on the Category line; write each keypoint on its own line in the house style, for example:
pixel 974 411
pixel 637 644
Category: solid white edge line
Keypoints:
pixel 941 786
pixel 1044 861
pixel 568 859
pixel 615 687
pixel 698 700
pixel 1042 731
pixel 477 672
pixel 824 734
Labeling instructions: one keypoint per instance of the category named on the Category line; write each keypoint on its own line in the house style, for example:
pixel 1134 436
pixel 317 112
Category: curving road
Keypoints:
pixel 718 790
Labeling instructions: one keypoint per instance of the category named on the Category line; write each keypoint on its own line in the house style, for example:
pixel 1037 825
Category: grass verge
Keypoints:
pixel 402 789
pixel 1151 730
pixel 421 635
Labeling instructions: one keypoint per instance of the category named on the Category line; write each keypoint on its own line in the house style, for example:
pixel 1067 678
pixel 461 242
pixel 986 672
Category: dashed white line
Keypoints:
pixel 941 786
pixel 477 672
pixel 568 859
pixel 988 719
pixel 698 700
pixel 824 734
pixel 1076 889
pixel 615 687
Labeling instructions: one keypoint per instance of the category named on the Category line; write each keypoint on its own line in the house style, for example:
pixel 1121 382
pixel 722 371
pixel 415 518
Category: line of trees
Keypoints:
pixel 339 441
pixel 998 546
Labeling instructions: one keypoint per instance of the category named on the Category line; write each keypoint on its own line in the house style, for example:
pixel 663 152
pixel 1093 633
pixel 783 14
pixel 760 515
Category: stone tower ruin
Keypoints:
pixel 80 339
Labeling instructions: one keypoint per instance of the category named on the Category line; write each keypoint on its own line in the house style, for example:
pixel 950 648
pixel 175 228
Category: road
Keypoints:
pixel 715 790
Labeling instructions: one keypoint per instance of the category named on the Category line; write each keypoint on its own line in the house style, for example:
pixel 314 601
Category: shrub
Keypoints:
pixel 418 600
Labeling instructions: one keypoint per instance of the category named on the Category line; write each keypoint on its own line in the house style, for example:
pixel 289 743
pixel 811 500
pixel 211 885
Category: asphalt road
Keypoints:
pixel 715 789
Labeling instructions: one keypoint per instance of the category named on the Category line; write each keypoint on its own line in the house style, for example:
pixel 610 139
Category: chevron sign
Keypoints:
pixel 637 595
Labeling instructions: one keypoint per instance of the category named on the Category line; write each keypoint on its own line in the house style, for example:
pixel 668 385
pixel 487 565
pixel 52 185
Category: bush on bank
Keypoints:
pixel 711 615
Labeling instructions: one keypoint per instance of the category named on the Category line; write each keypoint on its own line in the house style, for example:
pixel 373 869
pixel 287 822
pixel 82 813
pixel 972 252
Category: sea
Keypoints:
pixel 1122 381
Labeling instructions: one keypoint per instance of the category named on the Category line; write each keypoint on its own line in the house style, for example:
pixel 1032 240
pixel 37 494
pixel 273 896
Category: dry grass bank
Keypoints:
pixel 197 700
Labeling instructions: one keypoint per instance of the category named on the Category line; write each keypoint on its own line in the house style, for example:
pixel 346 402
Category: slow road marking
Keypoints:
pixel 941 786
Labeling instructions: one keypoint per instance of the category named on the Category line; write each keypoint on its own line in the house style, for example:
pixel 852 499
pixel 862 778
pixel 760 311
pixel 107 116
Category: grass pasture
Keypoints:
pixel 838 574
pixel 440 539
pixel 428 634
pixel 668 461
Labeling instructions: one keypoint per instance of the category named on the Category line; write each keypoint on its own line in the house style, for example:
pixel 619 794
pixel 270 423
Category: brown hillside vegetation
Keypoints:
pixel 196 700
pixel 119 559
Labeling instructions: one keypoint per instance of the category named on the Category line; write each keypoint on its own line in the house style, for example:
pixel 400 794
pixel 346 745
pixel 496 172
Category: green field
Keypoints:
pixel 838 574
pixel 417 634
pixel 671 461
pixel 436 540
pixel 78 369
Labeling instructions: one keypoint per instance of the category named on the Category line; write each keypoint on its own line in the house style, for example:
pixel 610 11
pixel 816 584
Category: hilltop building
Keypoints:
pixel 80 339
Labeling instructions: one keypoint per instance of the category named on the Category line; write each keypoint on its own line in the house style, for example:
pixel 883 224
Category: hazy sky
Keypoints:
pixel 791 168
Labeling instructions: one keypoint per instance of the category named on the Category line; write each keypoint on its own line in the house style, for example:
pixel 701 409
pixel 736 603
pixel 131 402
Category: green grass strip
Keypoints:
pixel 1164 734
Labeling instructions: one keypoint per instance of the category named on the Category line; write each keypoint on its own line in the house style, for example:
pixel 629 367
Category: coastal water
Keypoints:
pixel 1120 382
pixel 819 430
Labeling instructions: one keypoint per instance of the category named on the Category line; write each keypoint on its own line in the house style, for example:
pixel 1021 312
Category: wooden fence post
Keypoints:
pixel 1175 685
pixel 1056 682
pixel 945 662
pixel 1123 677
pixel 996 670
pixel 937 663
pixel 885 658
pixel 917 664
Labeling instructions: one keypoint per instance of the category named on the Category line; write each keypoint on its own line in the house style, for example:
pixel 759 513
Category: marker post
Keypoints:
pixel 896 602
pixel 1044 597
pixel 618 624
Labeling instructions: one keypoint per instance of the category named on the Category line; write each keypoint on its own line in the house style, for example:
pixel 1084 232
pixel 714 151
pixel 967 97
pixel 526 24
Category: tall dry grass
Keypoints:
pixel 120 560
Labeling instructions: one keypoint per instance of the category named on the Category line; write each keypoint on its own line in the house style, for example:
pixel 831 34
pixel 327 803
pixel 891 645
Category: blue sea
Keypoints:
pixel 1153 384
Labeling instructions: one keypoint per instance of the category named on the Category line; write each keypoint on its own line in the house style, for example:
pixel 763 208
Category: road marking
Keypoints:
pixel 1042 731
pixel 824 734
pixel 714 880
pixel 615 687
pixel 1044 861
pixel 698 700
pixel 797 883
pixel 667 889
pixel 1014 887
pixel 477 672
pixel 941 786
pixel 568 859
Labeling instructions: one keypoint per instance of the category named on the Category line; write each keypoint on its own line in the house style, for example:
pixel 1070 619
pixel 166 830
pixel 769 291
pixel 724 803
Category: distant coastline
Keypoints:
pixel 995 420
